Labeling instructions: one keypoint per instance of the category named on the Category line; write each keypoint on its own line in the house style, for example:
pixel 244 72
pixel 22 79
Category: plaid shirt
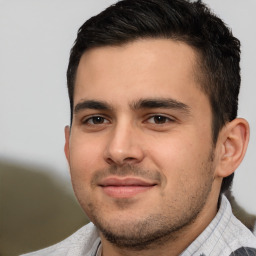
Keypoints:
pixel 224 236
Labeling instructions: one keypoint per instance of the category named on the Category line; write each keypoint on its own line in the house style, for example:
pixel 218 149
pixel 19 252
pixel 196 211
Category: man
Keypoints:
pixel 154 139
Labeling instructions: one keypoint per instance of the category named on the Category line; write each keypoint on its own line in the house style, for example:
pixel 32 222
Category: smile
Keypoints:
pixel 126 187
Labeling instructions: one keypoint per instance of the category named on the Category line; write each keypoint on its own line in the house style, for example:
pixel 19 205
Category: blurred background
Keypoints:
pixel 37 205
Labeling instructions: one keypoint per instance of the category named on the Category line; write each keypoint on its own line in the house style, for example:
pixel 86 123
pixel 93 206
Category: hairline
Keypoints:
pixel 199 72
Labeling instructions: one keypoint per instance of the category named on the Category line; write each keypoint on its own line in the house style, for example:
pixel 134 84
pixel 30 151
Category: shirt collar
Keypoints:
pixel 209 239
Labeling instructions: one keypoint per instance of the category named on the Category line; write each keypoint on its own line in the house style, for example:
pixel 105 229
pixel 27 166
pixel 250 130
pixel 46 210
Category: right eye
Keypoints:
pixel 96 120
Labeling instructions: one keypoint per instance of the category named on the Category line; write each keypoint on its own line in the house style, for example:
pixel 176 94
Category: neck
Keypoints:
pixel 175 243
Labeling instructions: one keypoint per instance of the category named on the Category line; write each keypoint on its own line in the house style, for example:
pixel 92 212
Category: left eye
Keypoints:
pixel 158 119
pixel 96 120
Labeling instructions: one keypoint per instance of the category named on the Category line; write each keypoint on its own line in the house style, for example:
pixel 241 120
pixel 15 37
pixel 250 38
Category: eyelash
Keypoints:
pixel 160 116
pixel 164 120
pixel 87 120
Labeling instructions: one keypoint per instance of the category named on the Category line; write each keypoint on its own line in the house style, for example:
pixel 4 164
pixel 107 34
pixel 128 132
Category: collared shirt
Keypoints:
pixel 99 251
pixel 224 236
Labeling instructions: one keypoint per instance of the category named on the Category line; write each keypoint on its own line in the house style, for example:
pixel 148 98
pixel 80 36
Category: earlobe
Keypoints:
pixel 234 141
pixel 66 147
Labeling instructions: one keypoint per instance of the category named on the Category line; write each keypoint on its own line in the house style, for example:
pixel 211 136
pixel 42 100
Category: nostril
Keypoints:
pixel 125 153
pixel 120 162
pixel 129 159
pixel 110 161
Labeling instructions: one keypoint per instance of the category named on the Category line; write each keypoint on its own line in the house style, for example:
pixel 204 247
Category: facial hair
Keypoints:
pixel 151 230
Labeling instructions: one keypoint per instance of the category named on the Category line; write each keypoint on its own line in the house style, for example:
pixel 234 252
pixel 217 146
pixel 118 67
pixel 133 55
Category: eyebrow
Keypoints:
pixel 92 104
pixel 166 103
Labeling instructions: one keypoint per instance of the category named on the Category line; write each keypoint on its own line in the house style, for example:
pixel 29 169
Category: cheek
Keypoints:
pixel 179 154
pixel 173 149
pixel 85 157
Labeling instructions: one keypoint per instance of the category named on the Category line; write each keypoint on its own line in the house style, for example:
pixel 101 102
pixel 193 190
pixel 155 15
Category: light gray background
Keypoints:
pixel 35 39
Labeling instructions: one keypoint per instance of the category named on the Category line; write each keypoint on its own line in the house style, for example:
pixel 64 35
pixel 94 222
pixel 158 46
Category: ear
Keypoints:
pixel 232 144
pixel 66 147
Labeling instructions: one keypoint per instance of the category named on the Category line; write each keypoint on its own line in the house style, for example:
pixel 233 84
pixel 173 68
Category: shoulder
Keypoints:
pixel 225 236
pixel 244 251
pixel 83 241
pixel 237 239
pixel 239 234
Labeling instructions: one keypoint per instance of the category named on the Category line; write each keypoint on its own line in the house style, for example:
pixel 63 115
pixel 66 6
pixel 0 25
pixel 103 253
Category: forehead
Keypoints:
pixel 143 68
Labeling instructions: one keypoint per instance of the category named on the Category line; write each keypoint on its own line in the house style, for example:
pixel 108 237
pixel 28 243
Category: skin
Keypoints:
pixel 140 150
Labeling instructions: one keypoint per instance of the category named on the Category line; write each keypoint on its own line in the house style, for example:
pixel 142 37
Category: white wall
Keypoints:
pixel 35 39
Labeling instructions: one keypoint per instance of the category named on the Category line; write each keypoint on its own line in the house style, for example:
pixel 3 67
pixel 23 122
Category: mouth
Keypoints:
pixel 125 187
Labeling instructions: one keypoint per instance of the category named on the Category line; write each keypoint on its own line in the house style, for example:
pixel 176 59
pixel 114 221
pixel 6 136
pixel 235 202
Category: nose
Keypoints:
pixel 124 146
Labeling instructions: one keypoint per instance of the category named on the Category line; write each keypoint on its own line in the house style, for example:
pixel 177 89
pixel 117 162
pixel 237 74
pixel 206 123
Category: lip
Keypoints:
pixel 127 181
pixel 125 187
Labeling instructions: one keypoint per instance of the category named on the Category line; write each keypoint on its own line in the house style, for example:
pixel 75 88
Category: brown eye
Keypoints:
pixel 98 120
pixel 159 119
pixel 94 120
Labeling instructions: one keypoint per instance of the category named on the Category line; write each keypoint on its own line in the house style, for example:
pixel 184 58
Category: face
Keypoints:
pixel 140 147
